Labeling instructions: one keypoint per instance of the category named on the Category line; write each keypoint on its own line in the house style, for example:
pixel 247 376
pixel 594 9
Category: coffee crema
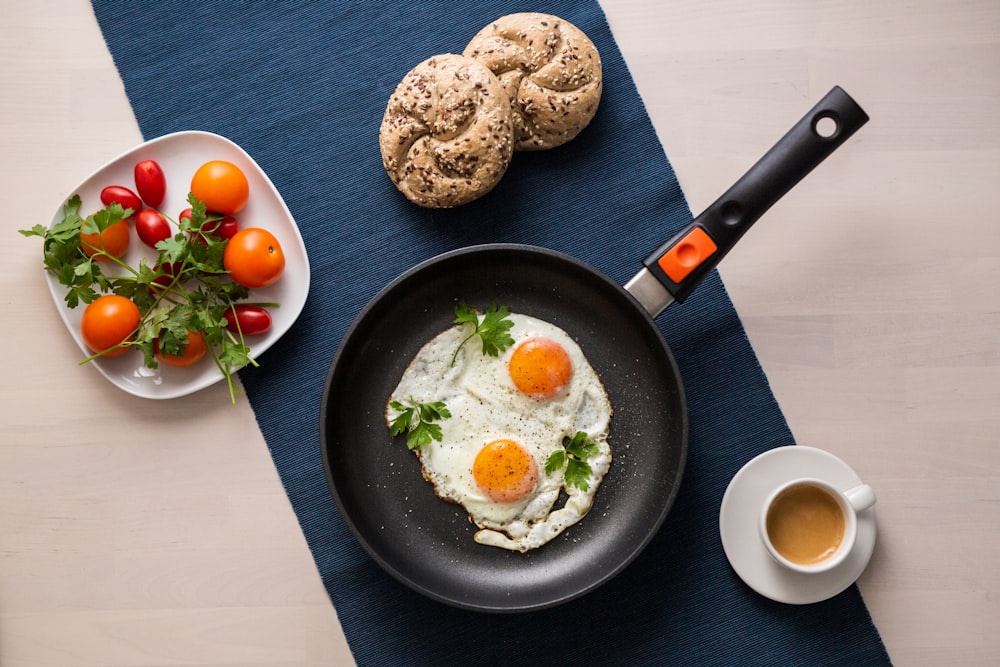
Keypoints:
pixel 805 524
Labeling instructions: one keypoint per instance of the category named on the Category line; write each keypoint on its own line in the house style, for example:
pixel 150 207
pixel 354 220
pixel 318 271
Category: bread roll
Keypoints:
pixel 446 136
pixel 551 72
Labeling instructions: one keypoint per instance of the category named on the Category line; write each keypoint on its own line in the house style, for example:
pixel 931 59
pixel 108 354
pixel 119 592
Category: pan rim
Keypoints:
pixel 652 527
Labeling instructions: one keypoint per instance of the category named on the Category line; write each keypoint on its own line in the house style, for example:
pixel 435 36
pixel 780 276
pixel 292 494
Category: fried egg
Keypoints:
pixel 508 415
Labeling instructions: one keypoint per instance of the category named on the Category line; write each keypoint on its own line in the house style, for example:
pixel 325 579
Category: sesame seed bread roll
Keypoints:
pixel 446 137
pixel 551 72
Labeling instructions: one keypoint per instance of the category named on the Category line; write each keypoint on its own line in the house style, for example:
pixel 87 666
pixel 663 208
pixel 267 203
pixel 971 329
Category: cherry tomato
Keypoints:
pixel 254 258
pixel 151 227
pixel 192 353
pixel 108 321
pixel 248 320
pixel 222 186
pixel 168 273
pixel 113 240
pixel 185 214
pixel 119 194
pixel 224 228
pixel 150 182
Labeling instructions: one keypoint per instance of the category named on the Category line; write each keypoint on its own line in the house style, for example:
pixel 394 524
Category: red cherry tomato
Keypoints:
pixel 167 273
pixel 248 320
pixel 191 354
pixel 151 227
pixel 151 183
pixel 119 194
pixel 224 228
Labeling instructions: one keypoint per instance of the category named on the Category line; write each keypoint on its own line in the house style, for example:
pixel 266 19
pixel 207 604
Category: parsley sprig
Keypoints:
pixel 573 456
pixel 187 288
pixel 492 329
pixel 63 254
pixel 416 421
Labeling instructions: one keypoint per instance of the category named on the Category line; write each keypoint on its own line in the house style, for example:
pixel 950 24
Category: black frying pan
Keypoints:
pixel 425 542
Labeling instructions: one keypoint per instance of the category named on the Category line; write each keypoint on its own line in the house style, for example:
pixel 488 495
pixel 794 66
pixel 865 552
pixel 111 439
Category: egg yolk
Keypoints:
pixel 505 471
pixel 540 368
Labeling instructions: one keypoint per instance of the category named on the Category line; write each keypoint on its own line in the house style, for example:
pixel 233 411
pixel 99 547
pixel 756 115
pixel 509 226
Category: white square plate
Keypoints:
pixel 179 155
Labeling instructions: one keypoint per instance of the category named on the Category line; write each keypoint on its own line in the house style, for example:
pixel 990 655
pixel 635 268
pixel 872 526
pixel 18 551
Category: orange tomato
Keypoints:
pixel 254 258
pixel 113 240
pixel 222 186
pixel 107 322
pixel 192 353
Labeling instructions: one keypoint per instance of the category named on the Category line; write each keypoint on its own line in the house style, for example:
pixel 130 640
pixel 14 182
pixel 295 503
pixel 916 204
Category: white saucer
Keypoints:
pixel 741 510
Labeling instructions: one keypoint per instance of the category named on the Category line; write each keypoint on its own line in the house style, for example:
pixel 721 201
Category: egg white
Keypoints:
pixel 485 406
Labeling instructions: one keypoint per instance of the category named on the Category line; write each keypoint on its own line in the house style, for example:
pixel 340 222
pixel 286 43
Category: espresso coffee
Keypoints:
pixel 805 524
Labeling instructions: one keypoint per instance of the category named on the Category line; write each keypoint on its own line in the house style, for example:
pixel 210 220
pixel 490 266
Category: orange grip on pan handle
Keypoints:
pixel 681 263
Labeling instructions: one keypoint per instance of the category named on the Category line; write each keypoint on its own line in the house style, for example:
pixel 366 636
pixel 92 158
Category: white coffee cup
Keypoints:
pixel 809 525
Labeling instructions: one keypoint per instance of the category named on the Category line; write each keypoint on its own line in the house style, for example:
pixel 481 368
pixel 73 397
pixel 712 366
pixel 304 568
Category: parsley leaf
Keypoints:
pixel 37 230
pixel 555 461
pixel 173 249
pixel 577 473
pixel 111 214
pixel 492 329
pixel 572 456
pixel 415 421
pixel 582 447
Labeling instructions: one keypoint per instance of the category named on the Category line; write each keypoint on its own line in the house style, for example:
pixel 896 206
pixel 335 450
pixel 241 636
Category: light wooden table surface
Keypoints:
pixel 130 529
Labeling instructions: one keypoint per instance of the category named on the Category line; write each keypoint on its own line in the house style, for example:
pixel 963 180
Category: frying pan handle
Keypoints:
pixel 681 263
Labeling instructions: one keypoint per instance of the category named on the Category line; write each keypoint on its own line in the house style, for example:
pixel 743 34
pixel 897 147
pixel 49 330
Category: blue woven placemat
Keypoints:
pixel 302 87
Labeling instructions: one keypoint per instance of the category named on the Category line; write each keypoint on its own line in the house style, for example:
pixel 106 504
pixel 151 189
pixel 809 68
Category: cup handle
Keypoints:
pixel 861 497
